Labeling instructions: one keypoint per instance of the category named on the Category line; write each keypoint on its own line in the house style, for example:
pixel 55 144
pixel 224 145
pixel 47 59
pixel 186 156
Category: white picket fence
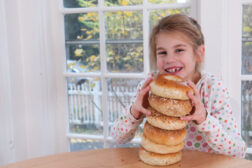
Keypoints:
pixel 85 103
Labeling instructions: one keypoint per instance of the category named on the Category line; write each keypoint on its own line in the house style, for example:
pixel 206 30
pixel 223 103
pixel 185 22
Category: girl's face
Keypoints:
pixel 175 55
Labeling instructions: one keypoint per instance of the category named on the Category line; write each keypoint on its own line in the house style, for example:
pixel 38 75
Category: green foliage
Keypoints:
pixel 127 57
pixel 124 25
pixel 87 3
pixel 122 2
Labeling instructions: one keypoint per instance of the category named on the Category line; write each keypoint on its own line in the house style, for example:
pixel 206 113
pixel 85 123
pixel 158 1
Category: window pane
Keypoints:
pixel 156 15
pixel 122 2
pixel 248 156
pixel 124 41
pixel 82 58
pixel 247 57
pixel 246 93
pixel 82 27
pixel 120 92
pixel 124 25
pixel 77 144
pixel 247 21
pixel 168 1
pixel 247 40
pixel 84 106
pixel 125 57
pixel 80 3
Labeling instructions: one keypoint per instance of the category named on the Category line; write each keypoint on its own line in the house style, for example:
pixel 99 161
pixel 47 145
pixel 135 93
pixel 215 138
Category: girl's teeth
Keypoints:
pixel 173 70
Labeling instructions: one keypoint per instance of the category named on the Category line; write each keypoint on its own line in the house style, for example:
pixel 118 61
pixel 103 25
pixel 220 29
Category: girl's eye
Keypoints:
pixel 161 53
pixel 179 50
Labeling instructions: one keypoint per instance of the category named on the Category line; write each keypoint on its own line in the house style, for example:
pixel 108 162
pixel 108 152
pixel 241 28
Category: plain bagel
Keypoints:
pixel 165 137
pixel 159 148
pixel 170 86
pixel 159 159
pixel 170 107
pixel 165 122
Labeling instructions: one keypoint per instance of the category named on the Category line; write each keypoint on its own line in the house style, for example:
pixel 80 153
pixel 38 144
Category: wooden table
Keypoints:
pixel 127 158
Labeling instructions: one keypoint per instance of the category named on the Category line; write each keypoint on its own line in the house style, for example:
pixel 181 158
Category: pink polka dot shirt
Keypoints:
pixel 217 134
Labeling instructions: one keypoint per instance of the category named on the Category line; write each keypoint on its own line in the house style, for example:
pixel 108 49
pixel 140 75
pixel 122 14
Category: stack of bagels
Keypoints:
pixel 164 132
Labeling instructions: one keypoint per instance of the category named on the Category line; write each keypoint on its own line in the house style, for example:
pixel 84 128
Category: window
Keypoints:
pixel 246 72
pixel 106 55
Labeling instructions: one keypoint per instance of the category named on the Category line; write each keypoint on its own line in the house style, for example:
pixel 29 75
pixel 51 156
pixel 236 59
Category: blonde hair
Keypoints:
pixel 176 23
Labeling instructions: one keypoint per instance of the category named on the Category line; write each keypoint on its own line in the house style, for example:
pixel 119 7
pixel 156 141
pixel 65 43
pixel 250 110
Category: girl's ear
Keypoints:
pixel 200 53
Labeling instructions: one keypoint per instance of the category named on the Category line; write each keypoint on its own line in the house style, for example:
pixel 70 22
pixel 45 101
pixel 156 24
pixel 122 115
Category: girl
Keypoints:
pixel 177 47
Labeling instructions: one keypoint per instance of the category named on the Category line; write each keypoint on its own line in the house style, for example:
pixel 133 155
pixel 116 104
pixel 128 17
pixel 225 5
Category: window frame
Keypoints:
pixel 232 55
pixel 243 77
pixel 103 74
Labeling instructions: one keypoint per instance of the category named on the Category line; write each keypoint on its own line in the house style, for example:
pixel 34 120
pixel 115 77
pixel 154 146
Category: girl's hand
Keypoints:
pixel 198 113
pixel 139 107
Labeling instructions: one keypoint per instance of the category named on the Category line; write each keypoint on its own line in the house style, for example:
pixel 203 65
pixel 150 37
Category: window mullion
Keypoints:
pixel 195 9
pixel 146 37
pixel 106 75
pixel 103 70
pixel 147 6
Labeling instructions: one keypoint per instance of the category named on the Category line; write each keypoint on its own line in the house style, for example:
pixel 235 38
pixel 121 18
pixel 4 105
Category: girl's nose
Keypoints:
pixel 169 58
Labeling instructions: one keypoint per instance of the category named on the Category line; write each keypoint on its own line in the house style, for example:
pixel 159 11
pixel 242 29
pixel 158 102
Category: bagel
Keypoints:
pixel 159 159
pixel 170 86
pixel 165 137
pixel 158 148
pixel 170 107
pixel 165 122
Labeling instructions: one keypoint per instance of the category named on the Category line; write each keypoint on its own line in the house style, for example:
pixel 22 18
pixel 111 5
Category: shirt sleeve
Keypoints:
pixel 124 128
pixel 220 128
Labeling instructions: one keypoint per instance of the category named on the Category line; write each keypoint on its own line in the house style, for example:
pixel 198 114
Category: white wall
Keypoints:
pixel 32 117
pixel 6 124
pixel 28 121
pixel 211 23
pixel 221 25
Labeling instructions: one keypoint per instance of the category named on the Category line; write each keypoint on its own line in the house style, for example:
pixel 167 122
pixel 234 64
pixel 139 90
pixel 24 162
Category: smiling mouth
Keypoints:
pixel 173 70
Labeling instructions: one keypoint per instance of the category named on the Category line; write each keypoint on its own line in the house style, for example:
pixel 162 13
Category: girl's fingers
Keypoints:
pixel 192 85
pixel 144 92
pixel 146 83
pixel 193 98
pixel 187 118
pixel 145 111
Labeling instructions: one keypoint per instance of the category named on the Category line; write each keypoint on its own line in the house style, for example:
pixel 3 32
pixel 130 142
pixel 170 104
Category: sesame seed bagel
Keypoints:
pixel 170 86
pixel 165 122
pixel 158 148
pixel 170 107
pixel 159 159
pixel 164 137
